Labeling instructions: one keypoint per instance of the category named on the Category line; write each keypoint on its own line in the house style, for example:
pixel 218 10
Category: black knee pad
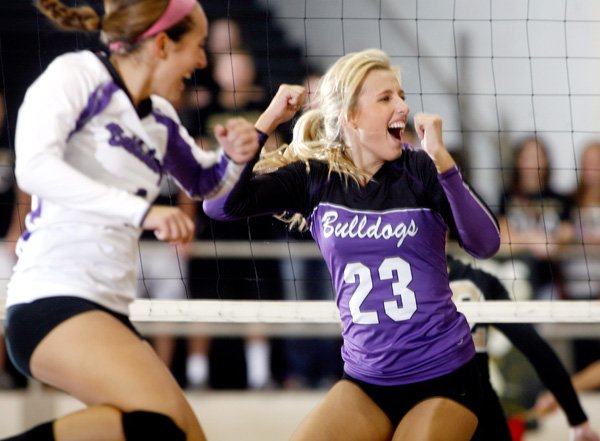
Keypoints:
pixel 142 425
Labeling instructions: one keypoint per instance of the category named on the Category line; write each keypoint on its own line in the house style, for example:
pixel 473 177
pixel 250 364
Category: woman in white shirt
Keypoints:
pixel 94 140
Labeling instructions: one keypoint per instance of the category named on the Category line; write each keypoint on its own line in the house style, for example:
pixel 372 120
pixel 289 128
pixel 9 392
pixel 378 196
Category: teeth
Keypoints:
pixel 188 76
pixel 396 125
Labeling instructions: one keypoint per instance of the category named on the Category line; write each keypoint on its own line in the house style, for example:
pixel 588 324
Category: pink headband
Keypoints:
pixel 176 10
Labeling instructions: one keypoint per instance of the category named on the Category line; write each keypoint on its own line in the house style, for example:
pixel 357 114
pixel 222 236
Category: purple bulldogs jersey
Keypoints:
pixel 389 272
pixel 384 245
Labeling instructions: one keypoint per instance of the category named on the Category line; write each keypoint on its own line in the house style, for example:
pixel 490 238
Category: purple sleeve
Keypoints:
pixel 199 174
pixel 286 189
pixel 196 178
pixel 215 207
pixel 476 225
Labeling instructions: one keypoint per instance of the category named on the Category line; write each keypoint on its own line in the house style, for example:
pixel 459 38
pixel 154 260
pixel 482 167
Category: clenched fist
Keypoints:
pixel 169 224
pixel 238 139
pixel 429 130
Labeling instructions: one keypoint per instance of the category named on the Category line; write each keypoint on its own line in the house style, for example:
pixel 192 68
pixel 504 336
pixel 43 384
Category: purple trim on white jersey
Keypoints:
pixel 97 102
pixel 180 163
pixel 135 146
pixel 31 217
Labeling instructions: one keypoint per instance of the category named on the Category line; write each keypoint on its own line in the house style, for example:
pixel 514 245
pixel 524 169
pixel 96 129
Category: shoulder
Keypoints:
pixel 312 167
pixel 317 166
pixel 71 72
pixel 320 175
pixel 77 64
pixel 82 59
pixel 68 81
pixel 308 175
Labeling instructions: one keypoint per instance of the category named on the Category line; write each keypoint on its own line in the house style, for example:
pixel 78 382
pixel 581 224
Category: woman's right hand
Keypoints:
pixel 169 224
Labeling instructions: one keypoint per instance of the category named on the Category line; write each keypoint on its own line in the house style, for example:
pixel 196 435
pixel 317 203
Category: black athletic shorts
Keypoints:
pixel 462 385
pixel 28 323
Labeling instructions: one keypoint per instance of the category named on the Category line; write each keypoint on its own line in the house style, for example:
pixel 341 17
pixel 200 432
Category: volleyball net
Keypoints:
pixel 292 316
pixel 495 71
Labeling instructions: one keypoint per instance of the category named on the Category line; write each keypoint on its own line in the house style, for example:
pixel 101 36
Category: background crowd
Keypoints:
pixel 550 239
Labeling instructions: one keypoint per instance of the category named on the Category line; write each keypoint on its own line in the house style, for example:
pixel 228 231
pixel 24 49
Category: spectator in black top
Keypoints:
pixel 228 363
pixel 534 219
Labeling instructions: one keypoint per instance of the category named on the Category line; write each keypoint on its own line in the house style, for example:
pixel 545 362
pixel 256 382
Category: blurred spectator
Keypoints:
pixel 238 93
pixel 224 36
pixel 14 205
pixel 225 363
pixel 582 271
pixel 534 219
pixel 583 274
pixel 217 362
pixel 534 227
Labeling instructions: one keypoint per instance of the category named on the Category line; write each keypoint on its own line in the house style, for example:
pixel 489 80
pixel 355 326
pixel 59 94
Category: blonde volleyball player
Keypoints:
pixel 379 212
pixel 93 143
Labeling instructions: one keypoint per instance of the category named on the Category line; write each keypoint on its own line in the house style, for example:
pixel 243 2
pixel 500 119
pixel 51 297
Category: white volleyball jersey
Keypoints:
pixel 93 164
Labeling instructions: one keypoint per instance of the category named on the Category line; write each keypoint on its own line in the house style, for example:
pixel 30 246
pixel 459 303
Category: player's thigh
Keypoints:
pixel 98 360
pixel 437 419
pixel 345 413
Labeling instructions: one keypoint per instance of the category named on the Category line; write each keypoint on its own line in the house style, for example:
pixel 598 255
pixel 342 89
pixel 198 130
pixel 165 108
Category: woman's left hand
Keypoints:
pixel 429 130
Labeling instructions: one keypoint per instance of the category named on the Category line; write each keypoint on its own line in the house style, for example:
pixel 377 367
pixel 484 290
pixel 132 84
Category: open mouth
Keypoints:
pixel 188 79
pixel 396 129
